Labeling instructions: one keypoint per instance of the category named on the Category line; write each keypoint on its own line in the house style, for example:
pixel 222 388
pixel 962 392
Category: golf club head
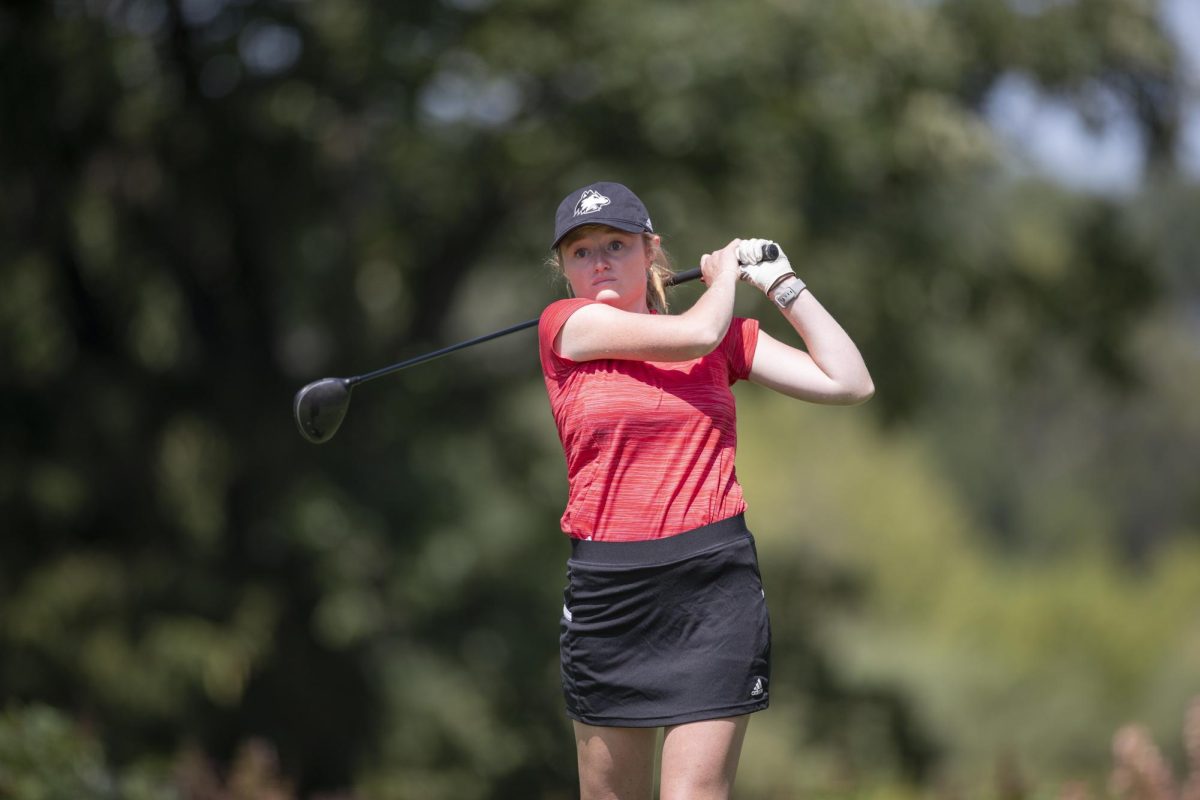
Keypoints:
pixel 320 408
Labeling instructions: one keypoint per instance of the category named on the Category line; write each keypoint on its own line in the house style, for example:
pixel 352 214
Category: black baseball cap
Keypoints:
pixel 601 203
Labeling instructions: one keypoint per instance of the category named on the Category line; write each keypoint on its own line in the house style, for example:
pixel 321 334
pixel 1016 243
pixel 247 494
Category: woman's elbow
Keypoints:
pixel 853 394
pixel 865 392
pixel 861 393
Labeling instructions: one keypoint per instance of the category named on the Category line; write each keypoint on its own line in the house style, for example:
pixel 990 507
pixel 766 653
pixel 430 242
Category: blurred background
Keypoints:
pixel 976 580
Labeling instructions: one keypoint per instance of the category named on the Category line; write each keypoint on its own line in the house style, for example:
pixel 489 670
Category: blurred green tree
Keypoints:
pixel 210 202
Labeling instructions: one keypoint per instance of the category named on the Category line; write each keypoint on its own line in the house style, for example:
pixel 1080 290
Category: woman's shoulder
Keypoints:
pixel 566 303
pixel 554 315
pixel 551 321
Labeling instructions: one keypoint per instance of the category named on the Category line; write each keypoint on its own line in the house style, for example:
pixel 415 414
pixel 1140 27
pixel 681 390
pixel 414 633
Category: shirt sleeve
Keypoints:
pixel 550 323
pixel 738 346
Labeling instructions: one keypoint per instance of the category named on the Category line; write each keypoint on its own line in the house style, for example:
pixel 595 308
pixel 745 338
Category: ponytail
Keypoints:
pixel 656 279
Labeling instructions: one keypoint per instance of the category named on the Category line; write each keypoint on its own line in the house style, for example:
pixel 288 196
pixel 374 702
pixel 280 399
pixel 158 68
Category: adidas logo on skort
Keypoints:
pixel 590 202
pixel 758 689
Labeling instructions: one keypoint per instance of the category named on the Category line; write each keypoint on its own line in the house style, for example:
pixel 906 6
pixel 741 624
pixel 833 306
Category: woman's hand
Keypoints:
pixel 754 268
pixel 720 264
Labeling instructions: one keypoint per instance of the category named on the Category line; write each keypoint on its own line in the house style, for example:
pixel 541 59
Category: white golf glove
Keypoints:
pixel 763 274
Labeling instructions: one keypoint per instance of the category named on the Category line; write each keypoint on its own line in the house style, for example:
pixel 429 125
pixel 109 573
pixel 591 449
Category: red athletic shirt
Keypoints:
pixel 649 444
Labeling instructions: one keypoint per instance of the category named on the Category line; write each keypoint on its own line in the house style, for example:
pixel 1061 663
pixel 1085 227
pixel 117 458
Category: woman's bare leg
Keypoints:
pixel 699 759
pixel 615 763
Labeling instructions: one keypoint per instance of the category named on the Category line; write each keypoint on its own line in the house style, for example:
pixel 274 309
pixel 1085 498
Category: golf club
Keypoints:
pixel 321 406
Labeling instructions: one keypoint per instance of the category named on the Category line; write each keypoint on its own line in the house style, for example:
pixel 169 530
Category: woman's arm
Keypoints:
pixel 831 372
pixel 600 331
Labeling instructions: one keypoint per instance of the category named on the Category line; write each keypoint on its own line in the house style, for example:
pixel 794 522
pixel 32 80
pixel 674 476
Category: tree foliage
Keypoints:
pixel 208 203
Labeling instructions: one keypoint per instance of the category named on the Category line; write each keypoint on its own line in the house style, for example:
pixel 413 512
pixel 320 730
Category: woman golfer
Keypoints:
pixel 664 622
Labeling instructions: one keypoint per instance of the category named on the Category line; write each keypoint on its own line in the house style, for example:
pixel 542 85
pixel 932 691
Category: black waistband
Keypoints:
pixel 657 551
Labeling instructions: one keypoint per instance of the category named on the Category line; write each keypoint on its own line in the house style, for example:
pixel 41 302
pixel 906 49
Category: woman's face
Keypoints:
pixel 607 265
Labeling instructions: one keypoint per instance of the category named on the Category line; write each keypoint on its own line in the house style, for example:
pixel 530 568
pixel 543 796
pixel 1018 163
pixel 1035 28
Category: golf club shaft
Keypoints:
pixel 674 280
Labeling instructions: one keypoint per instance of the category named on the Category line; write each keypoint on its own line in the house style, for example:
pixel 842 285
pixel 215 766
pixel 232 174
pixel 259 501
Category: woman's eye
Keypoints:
pixel 614 245
pixel 581 253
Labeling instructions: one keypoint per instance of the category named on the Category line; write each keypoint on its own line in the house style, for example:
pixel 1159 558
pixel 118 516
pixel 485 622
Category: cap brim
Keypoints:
pixel 619 224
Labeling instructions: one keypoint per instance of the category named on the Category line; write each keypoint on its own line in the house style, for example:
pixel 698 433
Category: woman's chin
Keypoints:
pixel 624 302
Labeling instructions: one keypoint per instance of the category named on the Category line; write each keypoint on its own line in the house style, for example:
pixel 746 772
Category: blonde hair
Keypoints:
pixel 661 267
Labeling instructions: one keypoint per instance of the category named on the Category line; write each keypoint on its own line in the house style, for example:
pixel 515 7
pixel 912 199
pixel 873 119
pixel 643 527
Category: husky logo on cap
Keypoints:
pixel 590 202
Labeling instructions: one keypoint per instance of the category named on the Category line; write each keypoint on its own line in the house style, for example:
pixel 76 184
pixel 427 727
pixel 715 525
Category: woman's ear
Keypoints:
pixel 653 245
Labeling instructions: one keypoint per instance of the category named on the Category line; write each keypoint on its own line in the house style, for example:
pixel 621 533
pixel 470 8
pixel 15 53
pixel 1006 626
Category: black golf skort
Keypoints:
pixel 665 631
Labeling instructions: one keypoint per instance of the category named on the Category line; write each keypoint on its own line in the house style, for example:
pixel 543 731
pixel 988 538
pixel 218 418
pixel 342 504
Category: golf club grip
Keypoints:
pixel 770 253
pixel 683 277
